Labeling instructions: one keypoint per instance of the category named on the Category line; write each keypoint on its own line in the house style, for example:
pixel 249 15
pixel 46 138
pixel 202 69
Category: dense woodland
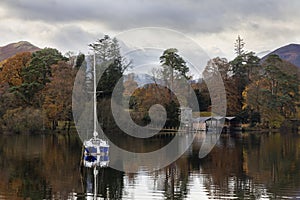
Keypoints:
pixel 36 88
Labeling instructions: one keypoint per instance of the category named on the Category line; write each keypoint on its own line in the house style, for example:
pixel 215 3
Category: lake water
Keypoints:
pixel 256 166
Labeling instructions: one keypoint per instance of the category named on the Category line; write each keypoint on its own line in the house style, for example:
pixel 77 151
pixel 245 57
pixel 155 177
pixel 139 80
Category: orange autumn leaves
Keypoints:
pixel 58 92
pixel 52 101
pixel 12 68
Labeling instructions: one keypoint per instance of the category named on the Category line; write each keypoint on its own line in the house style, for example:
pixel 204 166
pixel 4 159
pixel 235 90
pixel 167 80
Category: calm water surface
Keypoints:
pixel 257 166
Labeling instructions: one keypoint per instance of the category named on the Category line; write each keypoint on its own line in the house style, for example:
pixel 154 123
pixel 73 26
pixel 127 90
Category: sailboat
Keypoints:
pixel 96 150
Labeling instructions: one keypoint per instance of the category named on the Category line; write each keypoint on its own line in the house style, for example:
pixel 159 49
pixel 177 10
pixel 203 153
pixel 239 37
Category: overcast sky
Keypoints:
pixel 213 24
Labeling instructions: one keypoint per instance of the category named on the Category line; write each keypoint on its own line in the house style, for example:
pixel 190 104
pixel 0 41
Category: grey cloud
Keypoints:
pixel 73 38
pixel 264 24
pixel 190 16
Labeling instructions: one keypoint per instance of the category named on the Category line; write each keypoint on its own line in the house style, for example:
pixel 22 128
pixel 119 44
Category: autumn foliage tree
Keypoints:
pixel 23 79
pixel 129 85
pixel 274 92
pixel 220 66
pixel 243 68
pixel 36 75
pixel 58 94
pixel 11 107
pixel 11 72
pixel 152 94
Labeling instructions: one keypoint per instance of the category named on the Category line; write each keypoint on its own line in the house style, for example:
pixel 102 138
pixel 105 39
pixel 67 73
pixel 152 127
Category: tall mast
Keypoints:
pixel 95 98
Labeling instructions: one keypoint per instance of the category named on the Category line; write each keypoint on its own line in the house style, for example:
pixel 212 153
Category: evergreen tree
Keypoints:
pixel 238 46
pixel 173 67
pixel 107 50
pixel 37 74
pixel 273 93
pixel 243 68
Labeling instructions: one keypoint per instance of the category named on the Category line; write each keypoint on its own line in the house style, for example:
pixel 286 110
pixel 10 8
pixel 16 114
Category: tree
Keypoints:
pixel 75 61
pixel 275 91
pixel 152 94
pixel 283 83
pixel 130 85
pixel 203 97
pixel 23 120
pixel 221 65
pixel 8 101
pixel 173 65
pixel 37 74
pixel 243 68
pixel 111 65
pixel 79 60
pixel 238 46
pixel 12 68
pixel 108 50
pixel 218 65
pixel 58 93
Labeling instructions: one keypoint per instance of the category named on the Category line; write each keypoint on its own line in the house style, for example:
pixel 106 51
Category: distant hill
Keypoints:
pixel 14 48
pixel 290 53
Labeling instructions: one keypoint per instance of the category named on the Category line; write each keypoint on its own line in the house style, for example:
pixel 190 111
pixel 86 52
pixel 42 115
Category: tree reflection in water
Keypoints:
pixel 251 167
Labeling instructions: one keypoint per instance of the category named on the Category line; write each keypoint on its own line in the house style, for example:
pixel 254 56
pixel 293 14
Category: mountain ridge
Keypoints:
pixel 290 53
pixel 12 49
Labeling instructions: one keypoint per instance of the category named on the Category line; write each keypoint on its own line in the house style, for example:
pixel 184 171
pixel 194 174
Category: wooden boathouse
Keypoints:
pixel 212 123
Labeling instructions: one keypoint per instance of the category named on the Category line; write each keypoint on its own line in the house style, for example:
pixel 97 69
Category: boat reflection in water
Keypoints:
pixel 95 156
